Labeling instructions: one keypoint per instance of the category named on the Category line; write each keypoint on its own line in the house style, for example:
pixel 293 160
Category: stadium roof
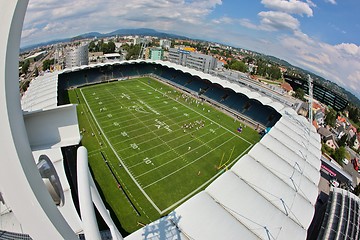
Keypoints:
pixel 41 93
pixel 54 127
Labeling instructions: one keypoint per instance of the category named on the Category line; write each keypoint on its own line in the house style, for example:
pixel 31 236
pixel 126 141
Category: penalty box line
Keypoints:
pixel 118 157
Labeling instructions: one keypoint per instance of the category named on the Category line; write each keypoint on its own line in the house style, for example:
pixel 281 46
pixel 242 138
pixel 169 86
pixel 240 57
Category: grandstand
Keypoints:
pixel 251 109
pixel 275 199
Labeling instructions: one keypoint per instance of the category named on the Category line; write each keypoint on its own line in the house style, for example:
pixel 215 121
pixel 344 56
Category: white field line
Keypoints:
pixel 164 142
pixel 150 120
pixel 158 136
pixel 91 125
pixel 105 98
pixel 144 94
pixel 125 116
pixel 165 151
pixel 167 110
pixel 177 170
pixel 124 185
pixel 203 116
pixel 174 159
pixel 118 157
pixel 181 156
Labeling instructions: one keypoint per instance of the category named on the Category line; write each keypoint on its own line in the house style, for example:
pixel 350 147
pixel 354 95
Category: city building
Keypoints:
pixel 165 44
pixel 95 56
pixel 320 93
pixel 194 60
pixel 156 54
pixel 136 40
pixel 112 57
pixel 36 56
pixel 77 56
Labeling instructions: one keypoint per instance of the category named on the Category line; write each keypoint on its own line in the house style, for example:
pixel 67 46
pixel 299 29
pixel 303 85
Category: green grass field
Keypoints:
pixel 151 146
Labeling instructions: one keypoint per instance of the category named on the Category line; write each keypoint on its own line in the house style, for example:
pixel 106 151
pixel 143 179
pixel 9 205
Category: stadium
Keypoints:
pixel 254 188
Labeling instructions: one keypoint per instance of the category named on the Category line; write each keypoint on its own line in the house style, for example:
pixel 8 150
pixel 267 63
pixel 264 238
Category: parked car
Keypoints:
pixel 345 161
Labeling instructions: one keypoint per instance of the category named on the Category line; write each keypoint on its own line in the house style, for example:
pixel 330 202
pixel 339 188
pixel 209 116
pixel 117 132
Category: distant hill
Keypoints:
pixel 119 32
pixel 38 45
pixel 130 31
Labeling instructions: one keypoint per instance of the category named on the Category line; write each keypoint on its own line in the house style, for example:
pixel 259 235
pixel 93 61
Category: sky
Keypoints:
pixel 322 36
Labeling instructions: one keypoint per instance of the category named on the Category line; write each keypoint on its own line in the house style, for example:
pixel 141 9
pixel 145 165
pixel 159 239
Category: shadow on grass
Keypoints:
pixel 102 224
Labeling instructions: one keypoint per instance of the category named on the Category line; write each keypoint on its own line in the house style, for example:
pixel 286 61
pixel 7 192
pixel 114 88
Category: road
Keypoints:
pixel 349 167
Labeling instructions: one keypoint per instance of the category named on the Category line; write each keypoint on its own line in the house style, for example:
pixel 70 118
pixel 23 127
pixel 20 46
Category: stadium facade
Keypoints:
pixel 275 199
pixel 194 60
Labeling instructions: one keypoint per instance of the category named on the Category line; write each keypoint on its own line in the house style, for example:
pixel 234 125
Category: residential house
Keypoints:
pixel 328 138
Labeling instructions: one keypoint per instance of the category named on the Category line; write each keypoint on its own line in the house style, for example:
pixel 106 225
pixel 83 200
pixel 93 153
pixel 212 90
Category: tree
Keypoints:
pixel 47 63
pixel 36 73
pixel 274 72
pixel 331 117
pixel 111 47
pixel 25 67
pixel 92 46
pixel 104 48
pixel 133 52
pixel 354 114
pixel 342 141
pixel 299 93
pixel 351 141
pixel 339 154
pixel 238 65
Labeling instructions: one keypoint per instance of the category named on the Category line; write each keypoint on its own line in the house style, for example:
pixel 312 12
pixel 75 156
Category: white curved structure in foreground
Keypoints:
pixel 269 193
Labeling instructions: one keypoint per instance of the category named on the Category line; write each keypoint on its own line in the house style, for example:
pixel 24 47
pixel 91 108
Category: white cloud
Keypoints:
pixel 349 48
pixel 290 6
pixel 248 24
pixel 273 21
pixel 339 63
pixel 224 20
pixel 51 19
pixel 331 1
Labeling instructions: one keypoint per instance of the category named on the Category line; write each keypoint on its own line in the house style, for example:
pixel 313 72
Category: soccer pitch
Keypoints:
pixel 170 144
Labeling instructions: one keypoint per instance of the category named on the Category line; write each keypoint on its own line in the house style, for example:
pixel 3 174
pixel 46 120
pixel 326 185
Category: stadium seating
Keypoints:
pixel 196 84
pixel 253 109
pixel 216 92
pixel 234 100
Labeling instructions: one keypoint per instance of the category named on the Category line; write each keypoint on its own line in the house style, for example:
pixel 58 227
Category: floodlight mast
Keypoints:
pixel 310 82
pixel 142 49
